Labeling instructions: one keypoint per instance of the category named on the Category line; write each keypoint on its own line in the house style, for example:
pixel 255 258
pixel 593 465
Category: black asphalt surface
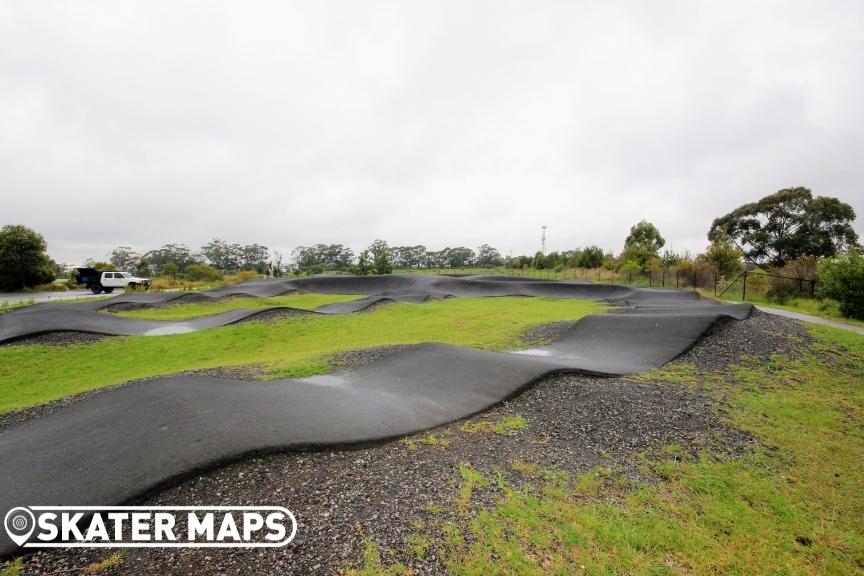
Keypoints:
pixel 111 447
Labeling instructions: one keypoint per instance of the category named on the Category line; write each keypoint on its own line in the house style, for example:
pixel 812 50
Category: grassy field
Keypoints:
pixel 793 505
pixel 35 374
pixel 182 311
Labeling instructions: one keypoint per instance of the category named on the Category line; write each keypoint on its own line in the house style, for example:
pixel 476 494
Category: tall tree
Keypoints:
pixel 459 257
pixel 787 225
pixel 254 257
pixel 179 254
pixel 642 244
pixel 23 260
pixel 488 256
pixel 124 258
pixel 327 256
pixel 224 256
pixel 591 257
pixel 380 257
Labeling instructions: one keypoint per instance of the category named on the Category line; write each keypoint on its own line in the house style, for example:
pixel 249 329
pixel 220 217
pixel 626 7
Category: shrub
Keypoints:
pixel 758 283
pixel 798 277
pixel 52 287
pixel 630 266
pixel 247 275
pixel 725 258
pixel 843 280
pixel 203 272
pixel 23 261
pixel 695 273
pixel 169 269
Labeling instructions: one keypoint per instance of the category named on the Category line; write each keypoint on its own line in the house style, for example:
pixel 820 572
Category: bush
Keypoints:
pixel 695 273
pixel 23 261
pixel 168 269
pixel 798 279
pixel 725 258
pixel 203 272
pixel 246 275
pixel 758 283
pixel 52 287
pixel 843 280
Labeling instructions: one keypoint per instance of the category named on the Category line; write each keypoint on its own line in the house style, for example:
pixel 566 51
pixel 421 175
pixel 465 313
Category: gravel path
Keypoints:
pixel 574 423
pixel 858 329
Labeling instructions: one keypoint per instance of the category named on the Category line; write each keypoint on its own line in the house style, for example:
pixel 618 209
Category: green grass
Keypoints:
pixel 181 311
pixel 12 567
pixel 792 505
pixel 504 426
pixel 35 374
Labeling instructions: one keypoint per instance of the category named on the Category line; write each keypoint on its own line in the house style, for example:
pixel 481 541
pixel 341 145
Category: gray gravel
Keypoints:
pixel 189 298
pixel 271 314
pixel 760 335
pixel 537 336
pixel 356 358
pixel 575 423
pixel 61 338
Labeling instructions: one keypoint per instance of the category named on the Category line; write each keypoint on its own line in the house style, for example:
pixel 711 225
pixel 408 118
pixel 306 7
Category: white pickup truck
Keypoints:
pixel 105 281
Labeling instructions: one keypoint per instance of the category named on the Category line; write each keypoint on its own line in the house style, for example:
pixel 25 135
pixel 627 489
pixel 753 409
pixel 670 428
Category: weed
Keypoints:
pixel 12 568
pixel 373 565
pixel 504 426
pixel 99 567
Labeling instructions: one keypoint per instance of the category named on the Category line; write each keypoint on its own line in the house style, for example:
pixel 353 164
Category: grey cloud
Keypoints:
pixel 438 123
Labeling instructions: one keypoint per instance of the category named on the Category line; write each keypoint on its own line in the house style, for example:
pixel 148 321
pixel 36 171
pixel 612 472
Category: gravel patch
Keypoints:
pixel 190 298
pixel 575 423
pixel 760 335
pixel 272 314
pixel 545 333
pixel 59 338
pixel 356 358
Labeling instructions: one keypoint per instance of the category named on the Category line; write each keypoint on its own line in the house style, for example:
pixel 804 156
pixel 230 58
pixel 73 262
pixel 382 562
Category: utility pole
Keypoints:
pixel 543 241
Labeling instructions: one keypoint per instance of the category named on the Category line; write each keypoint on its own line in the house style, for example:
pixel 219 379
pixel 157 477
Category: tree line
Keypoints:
pixel 780 230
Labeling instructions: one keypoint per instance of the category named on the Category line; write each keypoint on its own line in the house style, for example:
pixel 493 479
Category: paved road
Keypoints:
pixel 21 297
pixel 813 319
pixel 114 445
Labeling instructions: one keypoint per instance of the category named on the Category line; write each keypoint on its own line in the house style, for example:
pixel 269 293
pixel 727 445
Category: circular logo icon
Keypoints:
pixel 19 523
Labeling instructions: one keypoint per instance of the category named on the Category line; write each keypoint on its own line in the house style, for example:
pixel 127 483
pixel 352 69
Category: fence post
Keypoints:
pixel 677 273
pixel 812 288
pixel 650 279
pixel 715 284
pixel 630 277
pixel 744 289
pixel 663 278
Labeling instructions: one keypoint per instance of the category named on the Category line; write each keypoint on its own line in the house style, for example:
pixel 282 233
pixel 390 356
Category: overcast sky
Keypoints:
pixel 441 123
